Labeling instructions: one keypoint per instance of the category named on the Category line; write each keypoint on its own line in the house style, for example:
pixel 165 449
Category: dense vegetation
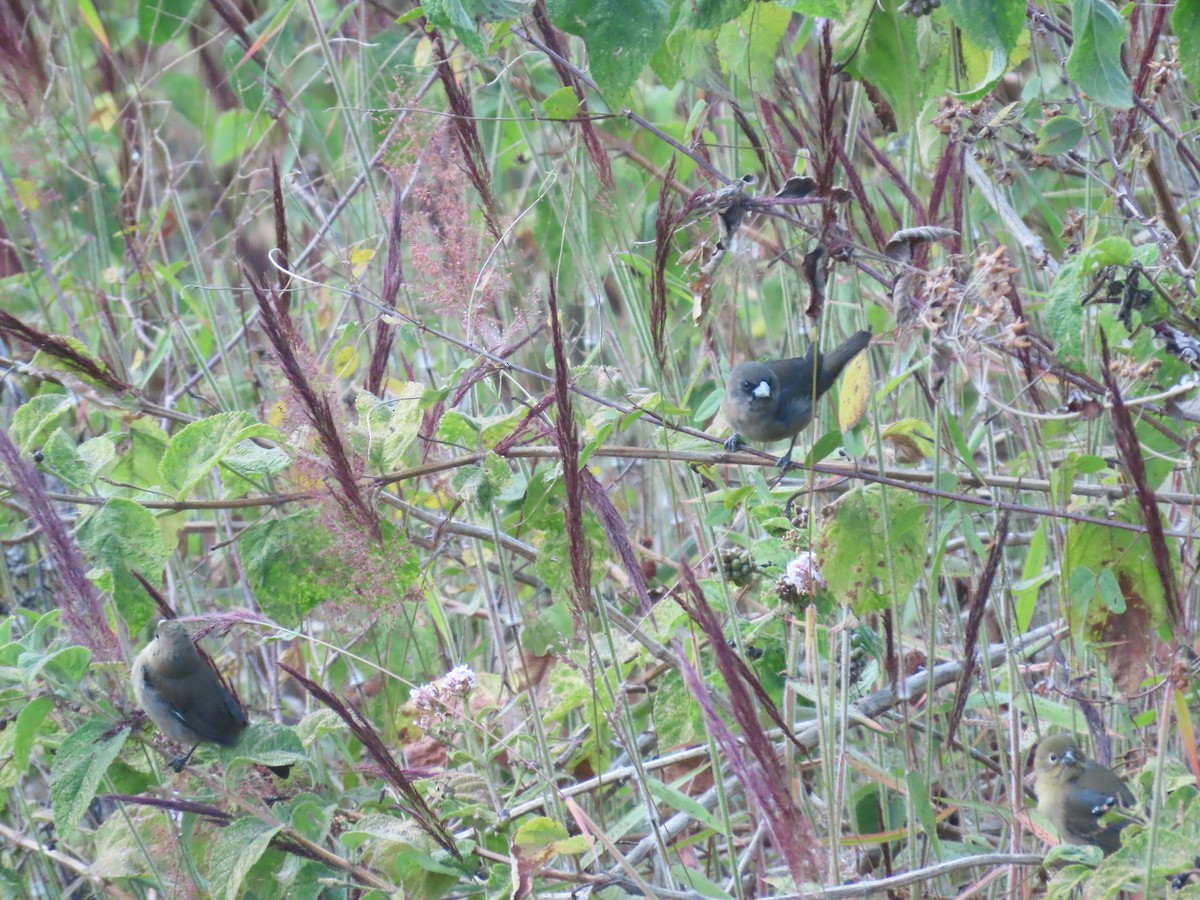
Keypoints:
pixel 385 344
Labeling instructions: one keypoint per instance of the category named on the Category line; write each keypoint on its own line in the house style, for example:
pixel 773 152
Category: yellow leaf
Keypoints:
pixel 92 19
pixel 854 392
pixel 104 111
pixel 398 388
pixel 325 312
pixel 423 55
pixel 345 362
pixel 27 194
pixel 275 416
pixel 359 259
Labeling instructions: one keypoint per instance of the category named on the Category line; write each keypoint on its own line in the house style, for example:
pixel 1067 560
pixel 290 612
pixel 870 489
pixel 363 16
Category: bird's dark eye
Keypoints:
pixel 747 386
pixel 1053 757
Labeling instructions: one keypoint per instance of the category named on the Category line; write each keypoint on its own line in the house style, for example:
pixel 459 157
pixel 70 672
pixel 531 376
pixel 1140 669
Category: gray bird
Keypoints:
pixel 773 400
pixel 182 695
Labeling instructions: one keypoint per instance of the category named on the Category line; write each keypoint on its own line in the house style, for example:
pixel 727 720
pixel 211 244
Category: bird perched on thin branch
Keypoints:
pixel 182 694
pixel 773 400
pixel 1075 793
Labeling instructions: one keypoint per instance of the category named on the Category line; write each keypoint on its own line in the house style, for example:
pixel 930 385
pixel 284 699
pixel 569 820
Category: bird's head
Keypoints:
pixel 1058 758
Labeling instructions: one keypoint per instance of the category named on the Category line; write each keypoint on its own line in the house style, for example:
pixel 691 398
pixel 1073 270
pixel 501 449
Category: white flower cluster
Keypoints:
pixel 802 574
pixel 433 698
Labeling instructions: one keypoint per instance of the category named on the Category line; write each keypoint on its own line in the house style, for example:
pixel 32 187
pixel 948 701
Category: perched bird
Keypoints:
pixel 773 400
pixel 182 694
pixel 1074 793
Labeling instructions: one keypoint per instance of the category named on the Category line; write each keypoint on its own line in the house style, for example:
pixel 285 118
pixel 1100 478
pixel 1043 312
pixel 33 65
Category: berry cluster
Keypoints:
pixel 738 566
pixel 919 7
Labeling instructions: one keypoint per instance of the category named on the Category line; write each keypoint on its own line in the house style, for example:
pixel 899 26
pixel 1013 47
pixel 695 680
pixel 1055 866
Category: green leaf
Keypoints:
pixel 452 16
pixel 908 63
pixel 199 446
pixel 269 744
pixel 677 717
pixel 35 419
pixel 554 558
pixel 1121 626
pixel 1095 60
pixel 238 847
pixel 682 802
pixel 318 723
pixel 1109 251
pixel 309 815
pixel 386 428
pixel 1110 592
pixel 539 832
pixel 29 722
pixel 1064 315
pixel 991 24
pixel 875 810
pixel 746 47
pixel 1060 135
pixel 290 565
pixel 78 766
pixel 483 483
pixel 458 428
pixel 140 451
pixel 620 38
pixel 1185 22
pixel 68 664
pixel 249 465
pixel 1082 587
pixel 825 9
pixel 823 446
pixel 918 792
pixel 123 537
pixel 68 462
pixel 698 882
pixel 160 20
pixel 459 17
pixel 868 566
pixel 401 848
pixel 562 104
pixel 1025 592
pixel 233 132
pixel 568 691
pixel 551 630
pixel 711 13
pixel 485 431
pixel 992 31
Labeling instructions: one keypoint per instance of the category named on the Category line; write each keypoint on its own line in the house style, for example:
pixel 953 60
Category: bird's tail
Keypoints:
pixel 836 359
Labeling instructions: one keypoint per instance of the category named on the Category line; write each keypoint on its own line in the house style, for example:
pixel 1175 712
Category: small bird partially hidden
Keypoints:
pixel 773 400
pixel 182 694
pixel 1075 792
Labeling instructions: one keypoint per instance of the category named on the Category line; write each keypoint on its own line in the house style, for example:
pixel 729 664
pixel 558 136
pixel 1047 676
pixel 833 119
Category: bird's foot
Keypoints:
pixel 785 461
pixel 180 761
pixel 734 444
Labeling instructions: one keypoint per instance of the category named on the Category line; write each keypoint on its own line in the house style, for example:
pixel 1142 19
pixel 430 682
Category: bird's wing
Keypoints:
pixel 1082 804
pixel 795 400
pixel 792 372
pixel 204 705
pixel 1083 811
